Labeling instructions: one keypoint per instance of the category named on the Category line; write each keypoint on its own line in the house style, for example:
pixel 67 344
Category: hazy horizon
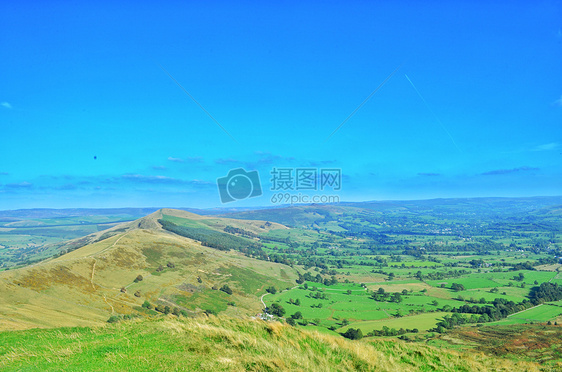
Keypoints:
pixel 111 104
pixel 236 206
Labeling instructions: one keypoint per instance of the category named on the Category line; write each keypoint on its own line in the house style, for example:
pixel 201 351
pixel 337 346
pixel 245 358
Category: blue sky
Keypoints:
pixel 89 117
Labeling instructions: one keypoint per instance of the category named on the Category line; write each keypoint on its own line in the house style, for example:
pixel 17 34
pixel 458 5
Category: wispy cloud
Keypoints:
pixel 20 185
pixel 189 159
pixel 264 159
pixel 268 159
pixel 159 167
pixel 429 174
pixel 497 172
pixel 151 179
pixel 176 160
pixel 547 147
pixel 68 186
pixel 163 180
pixel 558 102
pixel 6 105
pixel 195 159
pixel 321 163
pixel 4 173
pixel 227 161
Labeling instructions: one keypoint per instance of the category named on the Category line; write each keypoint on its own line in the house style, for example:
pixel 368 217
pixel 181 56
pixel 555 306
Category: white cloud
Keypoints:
pixel 547 147
pixel 558 102
pixel 176 160
pixel 6 105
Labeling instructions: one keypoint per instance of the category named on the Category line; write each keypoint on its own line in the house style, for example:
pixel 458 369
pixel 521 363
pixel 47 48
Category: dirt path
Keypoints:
pixel 112 309
pixel 111 246
pixel 93 272
pixel 265 294
pixel 175 305
pixel 261 299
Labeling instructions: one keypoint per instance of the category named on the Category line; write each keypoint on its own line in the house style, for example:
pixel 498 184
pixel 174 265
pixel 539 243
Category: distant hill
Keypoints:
pixel 314 214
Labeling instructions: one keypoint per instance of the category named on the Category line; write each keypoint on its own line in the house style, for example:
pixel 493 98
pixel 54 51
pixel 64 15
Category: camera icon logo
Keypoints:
pixel 238 185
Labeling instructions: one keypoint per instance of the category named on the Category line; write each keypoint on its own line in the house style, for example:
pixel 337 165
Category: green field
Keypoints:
pixel 541 313
pixel 422 322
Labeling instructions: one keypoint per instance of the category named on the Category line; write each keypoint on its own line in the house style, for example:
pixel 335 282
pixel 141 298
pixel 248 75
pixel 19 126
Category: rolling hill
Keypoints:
pixel 101 275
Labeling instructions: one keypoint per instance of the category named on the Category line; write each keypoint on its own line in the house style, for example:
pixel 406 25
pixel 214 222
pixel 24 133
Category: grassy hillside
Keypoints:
pixel 225 344
pixel 88 285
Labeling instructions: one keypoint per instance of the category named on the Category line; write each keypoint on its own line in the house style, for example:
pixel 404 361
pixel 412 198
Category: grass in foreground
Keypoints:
pixel 224 344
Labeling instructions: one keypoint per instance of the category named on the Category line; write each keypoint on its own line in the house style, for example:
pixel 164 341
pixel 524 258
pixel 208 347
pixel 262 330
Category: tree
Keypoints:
pixel 138 278
pixel 396 297
pixel 170 265
pixel 271 290
pixel 457 287
pixel 146 304
pixel 138 293
pixel 176 312
pixel 276 309
pixel 298 302
pixel 291 322
pixel 297 315
pixel 226 289
pixel 353 334
pixel 348 291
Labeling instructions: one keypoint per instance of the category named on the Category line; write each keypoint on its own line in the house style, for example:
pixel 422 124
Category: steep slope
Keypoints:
pixel 226 344
pixel 88 284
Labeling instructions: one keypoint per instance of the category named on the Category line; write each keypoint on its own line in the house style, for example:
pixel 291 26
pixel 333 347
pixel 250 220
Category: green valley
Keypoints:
pixel 427 273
